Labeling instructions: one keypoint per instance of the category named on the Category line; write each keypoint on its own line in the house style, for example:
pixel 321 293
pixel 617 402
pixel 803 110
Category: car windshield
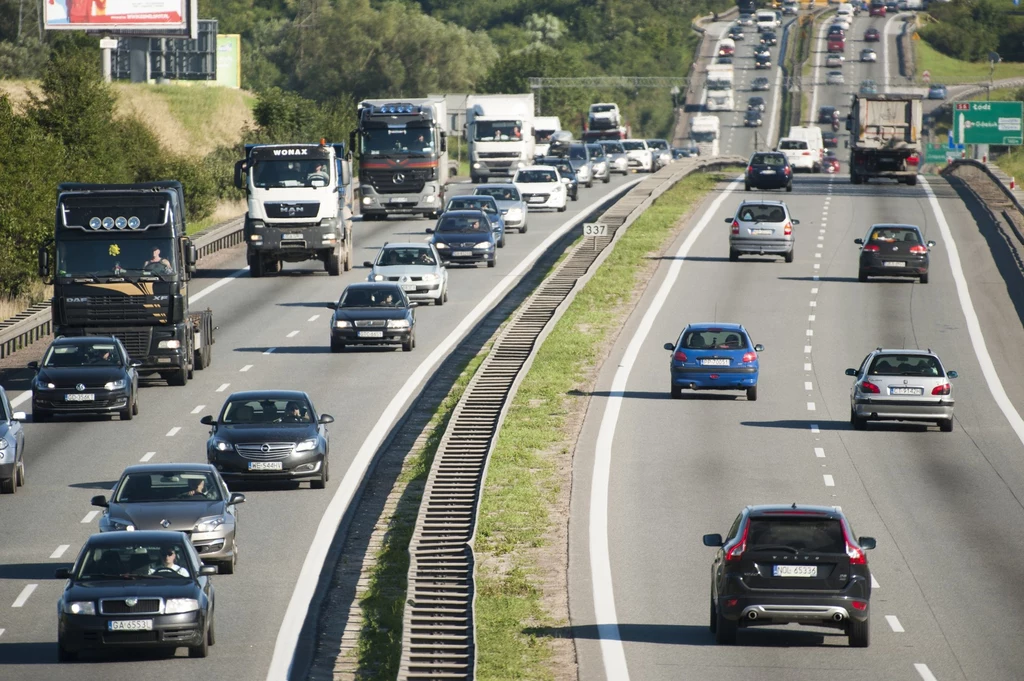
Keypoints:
pixel 613 148
pixel 596 150
pixel 818 535
pixel 768 160
pixel 601 108
pixel 534 177
pixel 246 411
pixel 887 235
pixel 366 296
pixel 415 141
pixel 753 212
pixel 95 353
pixel 500 193
pixel 462 223
pixel 828 111
pixel 465 203
pixel 657 144
pixel 405 255
pixel 294 172
pixel 633 145
pixel 167 485
pixel 134 560
pixel 721 339
pixel 577 153
pixel 495 131
pixel 792 145
pixel 753 113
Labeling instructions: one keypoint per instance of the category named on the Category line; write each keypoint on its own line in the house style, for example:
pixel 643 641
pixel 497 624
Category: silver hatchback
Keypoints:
pixel 901 385
pixel 762 228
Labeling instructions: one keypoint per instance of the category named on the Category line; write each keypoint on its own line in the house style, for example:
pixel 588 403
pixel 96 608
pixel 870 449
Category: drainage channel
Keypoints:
pixel 438 640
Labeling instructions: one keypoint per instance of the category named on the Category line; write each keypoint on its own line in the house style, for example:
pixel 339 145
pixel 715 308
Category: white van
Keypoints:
pixel 845 10
pixel 766 20
pixel 815 142
pixel 798 154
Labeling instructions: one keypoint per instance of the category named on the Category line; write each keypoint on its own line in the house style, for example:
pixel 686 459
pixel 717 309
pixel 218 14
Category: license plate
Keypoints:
pixel 906 391
pixel 795 570
pixel 401 201
pixel 462 254
pixel 371 334
pixel 893 263
pixel 130 625
pixel 408 287
pixel 265 466
pixel 80 397
pixel 537 199
pixel 291 236
pixel 715 362
pixel 767 172
pixel 760 232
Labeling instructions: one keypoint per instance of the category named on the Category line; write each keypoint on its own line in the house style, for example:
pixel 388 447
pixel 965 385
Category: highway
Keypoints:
pixel 273 334
pixel 652 474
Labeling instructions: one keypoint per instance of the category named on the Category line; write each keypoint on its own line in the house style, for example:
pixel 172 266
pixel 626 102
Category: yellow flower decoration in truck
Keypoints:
pixel 114 250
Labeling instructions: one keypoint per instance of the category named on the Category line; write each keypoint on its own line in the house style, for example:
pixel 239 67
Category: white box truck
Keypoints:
pixel 500 133
pixel 543 128
pixel 705 132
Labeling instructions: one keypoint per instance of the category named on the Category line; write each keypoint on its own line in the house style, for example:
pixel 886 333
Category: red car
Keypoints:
pixel 725 51
pixel 872 35
pixel 835 44
pixel 830 164
pixel 877 10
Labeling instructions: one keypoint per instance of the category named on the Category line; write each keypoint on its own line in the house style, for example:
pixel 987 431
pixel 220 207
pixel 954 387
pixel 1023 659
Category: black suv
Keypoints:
pixel 790 564
pixel 768 170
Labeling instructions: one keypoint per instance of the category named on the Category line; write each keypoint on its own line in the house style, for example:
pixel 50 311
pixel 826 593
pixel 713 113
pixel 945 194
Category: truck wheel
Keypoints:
pixel 274 266
pixel 912 180
pixel 332 265
pixel 348 253
pixel 179 377
pixel 855 178
pixel 256 267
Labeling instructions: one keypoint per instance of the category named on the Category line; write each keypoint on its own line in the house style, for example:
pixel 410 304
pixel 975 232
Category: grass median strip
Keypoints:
pixel 521 542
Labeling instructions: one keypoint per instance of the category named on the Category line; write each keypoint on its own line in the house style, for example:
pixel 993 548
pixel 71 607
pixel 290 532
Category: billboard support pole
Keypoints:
pixel 107 46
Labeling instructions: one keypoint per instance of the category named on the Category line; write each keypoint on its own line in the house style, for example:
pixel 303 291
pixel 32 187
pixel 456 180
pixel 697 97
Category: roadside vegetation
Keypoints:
pixel 968 30
pixel 945 69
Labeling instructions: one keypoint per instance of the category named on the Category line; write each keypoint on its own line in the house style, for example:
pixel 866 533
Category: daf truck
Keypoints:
pixel 885 137
pixel 299 205
pixel 543 128
pixel 705 132
pixel 121 265
pixel 403 157
pixel 500 133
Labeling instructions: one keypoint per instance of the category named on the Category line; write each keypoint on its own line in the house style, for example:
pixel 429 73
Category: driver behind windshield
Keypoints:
pixel 157 264
pixel 168 564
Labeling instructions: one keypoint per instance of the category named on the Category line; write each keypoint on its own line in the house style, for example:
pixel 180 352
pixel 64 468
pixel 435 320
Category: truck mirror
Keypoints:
pixel 44 262
pixel 239 170
pixel 444 141
pixel 351 143
pixel 193 257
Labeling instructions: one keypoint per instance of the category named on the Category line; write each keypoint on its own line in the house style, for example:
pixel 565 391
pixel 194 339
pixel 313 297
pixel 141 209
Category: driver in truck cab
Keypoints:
pixel 320 173
pixel 157 264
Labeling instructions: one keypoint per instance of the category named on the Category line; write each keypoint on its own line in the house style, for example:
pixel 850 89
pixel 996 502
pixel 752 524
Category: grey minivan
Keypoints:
pixel 762 228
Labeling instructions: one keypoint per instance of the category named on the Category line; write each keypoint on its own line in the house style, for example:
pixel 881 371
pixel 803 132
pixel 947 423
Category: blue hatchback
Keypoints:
pixel 714 357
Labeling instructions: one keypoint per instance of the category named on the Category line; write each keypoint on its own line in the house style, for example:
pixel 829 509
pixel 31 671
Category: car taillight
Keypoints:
pixel 859 605
pixel 855 553
pixel 735 226
pixel 749 356
pixel 750 169
pixel 806 153
pixel 734 553
pixel 679 356
pixel 941 389
pixel 788 170
pixel 871 248
pixel 869 387
pixel 918 249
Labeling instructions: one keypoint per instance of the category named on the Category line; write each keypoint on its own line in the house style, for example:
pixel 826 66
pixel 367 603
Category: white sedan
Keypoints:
pixel 542 187
pixel 834 78
pixel 868 54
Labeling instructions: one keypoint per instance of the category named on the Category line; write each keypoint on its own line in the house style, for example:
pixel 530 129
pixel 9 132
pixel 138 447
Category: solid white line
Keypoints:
pixel 246 367
pixel 988 368
pixel 89 517
pixel 293 334
pixel 814 428
pixel 829 482
pixel 874 583
pixel 223 387
pixel 313 318
pixel 894 624
pixel 312 565
pixel 59 551
pixel 807 349
pixel 807 366
pixel 810 406
pixel 819 452
pixel 173 431
pixel 2 632
pixel 147 456
pixel 23 596
pixel 199 408
pixel 808 385
pixel 924 672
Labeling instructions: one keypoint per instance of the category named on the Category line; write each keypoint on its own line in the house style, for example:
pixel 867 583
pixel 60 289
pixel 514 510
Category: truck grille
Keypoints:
pixel 118 606
pixel 273 450
pixel 499 155
pixel 397 181
pixel 100 309
pixel 137 343
pixel 305 209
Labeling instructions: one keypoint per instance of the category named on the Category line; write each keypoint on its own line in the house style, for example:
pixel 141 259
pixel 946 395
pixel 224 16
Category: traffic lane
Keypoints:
pixel 738 138
pixel 279 369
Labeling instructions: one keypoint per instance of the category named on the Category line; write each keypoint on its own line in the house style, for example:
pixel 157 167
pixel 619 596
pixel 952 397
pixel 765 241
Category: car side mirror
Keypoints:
pixel 208 569
pixel 207 421
pixel 758 348
pixel 565 180
pixel 19 416
pixel 325 419
pixel 135 363
pixel 795 222
pixel 331 306
pixel 367 263
pixel 670 346
pixel 239 168
pixel 236 498
pixel 851 372
pixel 952 374
pixel 33 365
pixel 858 241
pixel 62 573
pixel 866 543
pixel 99 500
pixel 430 230
pixel 846 144
pixel 413 304
pixel 713 540
pixel 728 221
pixel 931 244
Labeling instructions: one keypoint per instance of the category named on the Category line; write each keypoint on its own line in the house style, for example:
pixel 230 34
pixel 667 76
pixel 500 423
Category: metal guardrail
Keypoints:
pixel 24 329
pixel 438 634
pixel 1000 182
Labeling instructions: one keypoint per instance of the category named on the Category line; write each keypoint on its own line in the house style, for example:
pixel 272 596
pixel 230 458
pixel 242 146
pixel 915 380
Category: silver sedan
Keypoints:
pixel 416 267
pixel 510 202
pixel 901 385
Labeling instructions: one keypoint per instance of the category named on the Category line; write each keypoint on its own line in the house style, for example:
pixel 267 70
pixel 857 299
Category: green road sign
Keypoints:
pixel 939 153
pixel 989 122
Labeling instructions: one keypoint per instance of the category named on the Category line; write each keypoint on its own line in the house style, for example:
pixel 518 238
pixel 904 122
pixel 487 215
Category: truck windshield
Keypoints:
pixel 411 141
pixel 113 255
pixel 498 131
pixel 291 173
pixel 703 136
pixel 543 136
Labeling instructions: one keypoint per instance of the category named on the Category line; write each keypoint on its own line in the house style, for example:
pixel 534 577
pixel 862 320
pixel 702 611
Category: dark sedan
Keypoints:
pixel 828 115
pixel 762 61
pixel 872 35
pixel 85 375
pixel 270 435
pixel 769 38
pixel 136 590
pixel 464 237
pixel 768 170
pixel 373 314
pixel 565 169
pixel 760 83
pixel 894 251
pixel 12 447
pixel 752 118
pixel 756 103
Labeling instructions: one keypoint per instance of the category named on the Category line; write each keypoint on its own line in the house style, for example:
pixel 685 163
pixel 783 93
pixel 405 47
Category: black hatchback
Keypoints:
pixel 85 375
pixel 373 313
pixel 894 251
pixel 790 564
pixel 565 169
pixel 768 170
pixel 464 237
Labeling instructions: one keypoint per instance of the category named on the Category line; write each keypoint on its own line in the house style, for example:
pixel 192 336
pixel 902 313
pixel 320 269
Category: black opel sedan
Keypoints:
pixel 270 435
pixel 135 590
pixel 85 375
pixel 464 237
pixel 373 313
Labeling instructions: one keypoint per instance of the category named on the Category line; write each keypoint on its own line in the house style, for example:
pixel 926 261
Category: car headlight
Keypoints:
pixel 209 524
pixel 174 606
pixel 441 245
pixel 115 385
pixel 429 276
pixel 221 445
pixel 514 213
pixel 80 608
pixel 398 323
pixel 169 344
pixel 378 277
pixel 306 445
pixel 484 246
pixel 342 324
pixel 45 386
pixel 119 525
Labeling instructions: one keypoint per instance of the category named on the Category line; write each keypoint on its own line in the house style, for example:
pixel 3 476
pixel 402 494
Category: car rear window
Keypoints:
pixel 905 365
pixel 768 160
pixel 815 534
pixel 722 339
pixel 535 176
pixel 752 212
pixel 792 145
pixel 887 235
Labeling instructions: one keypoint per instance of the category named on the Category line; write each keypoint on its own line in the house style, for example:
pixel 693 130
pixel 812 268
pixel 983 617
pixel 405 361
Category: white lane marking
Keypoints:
pixel 217 284
pixel 819 452
pixel 807 366
pixel 313 318
pixel 822 231
pixel 814 291
pixel 246 367
pixel 293 334
pixel 23 596
pixel 223 387
pixel 810 318
pixel 810 406
pixel 988 368
pixel 829 481
pixel 59 551
pixel 147 456
pixel 814 428
pixel 2 632
pixel 817 255
pixel 269 351
pixel 814 303
pixel 820 245
pixel 894 624
pixel 821 237
pixel 21 398
pixel 874 583
pixel 89 517
pixel 808 385
pixel 199 408
pixel 173 431
pixel 924 672
pixel 807 349
pixel 817 266
pixel 312 564
pixel 810 332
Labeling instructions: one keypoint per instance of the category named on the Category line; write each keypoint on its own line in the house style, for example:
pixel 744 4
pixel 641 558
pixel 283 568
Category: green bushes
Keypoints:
pixel 969 29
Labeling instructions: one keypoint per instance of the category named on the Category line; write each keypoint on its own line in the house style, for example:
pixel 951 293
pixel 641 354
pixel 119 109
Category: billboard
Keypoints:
pixel 229 60
pixel 152 17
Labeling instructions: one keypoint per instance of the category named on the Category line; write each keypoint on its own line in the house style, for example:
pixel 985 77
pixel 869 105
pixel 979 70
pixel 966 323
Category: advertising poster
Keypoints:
pixel 96 15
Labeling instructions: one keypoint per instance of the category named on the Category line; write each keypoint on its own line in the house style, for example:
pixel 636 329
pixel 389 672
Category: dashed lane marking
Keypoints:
pixel 199 408
pixel 807 366
pixel 313 318
pixel 89 517
pixel 59 551
pixel 246 367
pixel 810 318
pixel 23 596
pixel 808 385
pixel 923 671
pixel 819 452
pixel 829 480
pixel 810 406
pixel 147 456
pixel 894 624
pixel 173 431
pixel 874 583
pixel 807 349
pixel 293 334
pixel 223 387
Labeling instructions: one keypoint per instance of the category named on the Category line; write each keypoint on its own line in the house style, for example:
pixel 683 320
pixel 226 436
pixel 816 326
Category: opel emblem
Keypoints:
pixel 131 602
pixel 905 381
pixel 264 448
pixel 398 178
pixel 165 523
pixel 80 387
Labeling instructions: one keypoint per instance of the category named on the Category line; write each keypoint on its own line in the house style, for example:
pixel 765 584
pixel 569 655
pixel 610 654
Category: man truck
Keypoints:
pixel 121 266
pixel 403 157
pixel 885 137
pixel 500 133
pixel 299 205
